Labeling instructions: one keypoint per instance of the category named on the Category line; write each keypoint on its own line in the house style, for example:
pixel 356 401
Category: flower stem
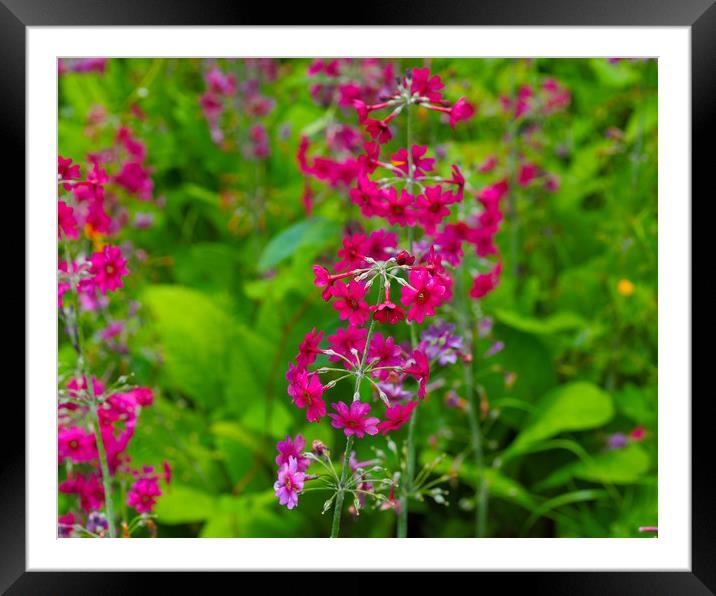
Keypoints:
pixel 402 529
pixel 106 478
pixel 336 526
pixel 340 494
pixel 481 497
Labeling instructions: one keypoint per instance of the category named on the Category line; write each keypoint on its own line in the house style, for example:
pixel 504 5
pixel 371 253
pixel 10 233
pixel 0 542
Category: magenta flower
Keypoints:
pixel 425 295
pixel 486 282
pixel 419 367
pixel 346 340
pixel 462 110
pixel 385 351
pixel 292 448
pixel 426 86
pixel 143 494
pixel 108 267
pixel 289 483
pixel 307 391
pixel 352 253
pixel 421 165
pixel 354 420
pixel 308 349
pixel 66 222
pixel 397 416
pixel 66 171
pixel 431 207
pixel 350 304
pixel 76 444
pixel 398 208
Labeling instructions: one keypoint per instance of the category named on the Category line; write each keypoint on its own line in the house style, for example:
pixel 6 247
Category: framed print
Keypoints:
pixel 321 286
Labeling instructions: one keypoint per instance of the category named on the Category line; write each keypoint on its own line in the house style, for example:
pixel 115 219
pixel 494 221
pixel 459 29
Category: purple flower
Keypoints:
pixel 289 483
pixel 96 522
pixel 496 347
pixel 439 343
pixel 292 448
pixel 395 391
pixel 617 441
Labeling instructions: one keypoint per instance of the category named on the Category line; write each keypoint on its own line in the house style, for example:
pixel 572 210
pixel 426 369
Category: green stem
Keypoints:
pixel 481 497
pixel 106 478
pixel 79 338
pixel 402 529
pixel 340 494
pixel 336 526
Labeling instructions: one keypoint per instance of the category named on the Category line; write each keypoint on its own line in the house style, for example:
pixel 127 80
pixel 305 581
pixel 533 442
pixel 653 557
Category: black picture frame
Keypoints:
pixel 699 15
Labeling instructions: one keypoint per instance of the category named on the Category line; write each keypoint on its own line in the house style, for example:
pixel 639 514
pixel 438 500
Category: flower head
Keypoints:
pixel 143 494
pixel 289 484
pixel 108 267
pixel 396 416
pixel 423 296
pixel 292 448
pixel 354 420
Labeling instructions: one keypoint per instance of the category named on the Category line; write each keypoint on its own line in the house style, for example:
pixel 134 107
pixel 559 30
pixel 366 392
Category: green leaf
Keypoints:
pixel 194 334
pixel 572 407
pixel 618 466
pixel 183 505
pixel 561 321
pixel 314 232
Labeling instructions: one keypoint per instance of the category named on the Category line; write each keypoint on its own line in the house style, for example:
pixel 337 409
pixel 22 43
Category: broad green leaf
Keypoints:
pixel 618 466
pixel 184 504
pixel 562 321
pixel 194 335
pixel 572 407
pixel 312 232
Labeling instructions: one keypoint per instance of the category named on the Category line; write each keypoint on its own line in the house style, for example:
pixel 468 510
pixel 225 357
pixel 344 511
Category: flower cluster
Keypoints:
pixel 370 267
pixel 336 85
pixel 96 422
pixel 225 102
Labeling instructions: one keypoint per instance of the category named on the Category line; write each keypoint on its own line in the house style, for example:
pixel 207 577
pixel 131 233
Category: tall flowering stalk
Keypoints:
pixel 96 422
pixel 408 195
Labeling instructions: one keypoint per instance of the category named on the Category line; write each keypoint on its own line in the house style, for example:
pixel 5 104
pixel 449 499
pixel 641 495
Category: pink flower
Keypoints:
pixel 354 420
pixel 420 165
pixel 308 348
pixel 66 171
pixel 462 110
pixel 527 173
pixel 426 86
pixel 490 195
pixel 143 494
pixel 387 312
pixel 89 489
pixel 486 282
pixel 67 224
pixel 292 448
pixel 289 484
pixel 385 351
pixel 346 340
pixel 378 245
pixel 378 130
pixel 352 253
pixel 108 267
pixel 76 444
pixel 350 304
pixel 134 178
pixel 419 367
pixel 397 416
pixel 425 295
pixel 77 389
pixel 488 165
pixel 398 208
pixel 307 391
pixel 366 195
pixel 431 207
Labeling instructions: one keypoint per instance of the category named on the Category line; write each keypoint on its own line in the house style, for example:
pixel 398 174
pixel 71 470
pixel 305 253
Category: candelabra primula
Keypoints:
pixel 370 268
pixel 96 422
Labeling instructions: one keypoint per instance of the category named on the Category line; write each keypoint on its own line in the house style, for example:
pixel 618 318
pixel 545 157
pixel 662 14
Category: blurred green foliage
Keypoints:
pixel 227 293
